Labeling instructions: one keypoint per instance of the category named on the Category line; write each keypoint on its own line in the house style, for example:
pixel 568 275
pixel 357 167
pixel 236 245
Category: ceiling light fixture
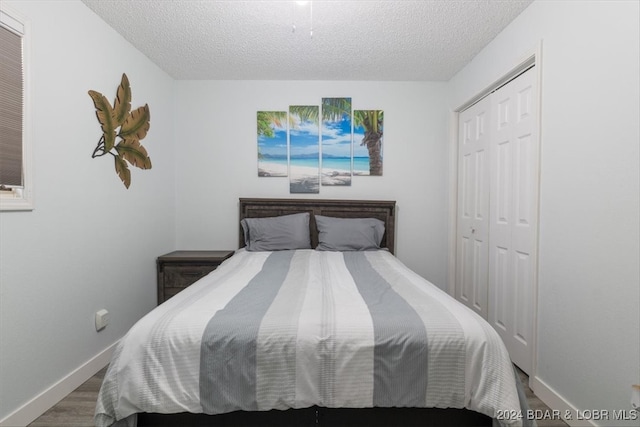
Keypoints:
pixel 293 23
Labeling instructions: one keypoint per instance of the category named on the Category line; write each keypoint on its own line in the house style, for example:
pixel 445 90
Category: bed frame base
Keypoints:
pixel 317 416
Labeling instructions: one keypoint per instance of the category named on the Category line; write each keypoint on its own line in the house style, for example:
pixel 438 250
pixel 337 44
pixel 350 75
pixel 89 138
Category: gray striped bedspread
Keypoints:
pixel 293 329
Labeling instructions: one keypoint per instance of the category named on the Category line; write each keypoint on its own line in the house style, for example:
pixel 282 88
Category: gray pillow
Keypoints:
pixel 277 233
pixel 349 234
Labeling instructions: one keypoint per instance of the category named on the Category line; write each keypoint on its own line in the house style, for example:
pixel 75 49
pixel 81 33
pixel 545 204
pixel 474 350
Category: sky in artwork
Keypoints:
pixel 336 137
pixel 304 138
pixel 275 146
pixel 358 136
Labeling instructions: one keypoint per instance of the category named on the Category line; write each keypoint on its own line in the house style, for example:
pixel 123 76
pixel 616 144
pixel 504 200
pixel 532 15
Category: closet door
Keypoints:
pixel 514 216
pixel 472 246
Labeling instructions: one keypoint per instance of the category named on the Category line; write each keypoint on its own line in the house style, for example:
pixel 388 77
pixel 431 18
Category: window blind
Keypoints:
pixel 11 101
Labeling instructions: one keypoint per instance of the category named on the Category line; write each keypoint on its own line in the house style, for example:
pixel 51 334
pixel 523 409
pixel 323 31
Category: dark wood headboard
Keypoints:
pixel 381 209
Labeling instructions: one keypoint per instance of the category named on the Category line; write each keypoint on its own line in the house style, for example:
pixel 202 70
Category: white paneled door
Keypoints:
pixel 514 215
pixel 511 191
pixel 472 247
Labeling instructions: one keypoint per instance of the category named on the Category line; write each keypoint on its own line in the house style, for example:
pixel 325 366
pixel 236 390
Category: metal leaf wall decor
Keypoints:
pixel 122 130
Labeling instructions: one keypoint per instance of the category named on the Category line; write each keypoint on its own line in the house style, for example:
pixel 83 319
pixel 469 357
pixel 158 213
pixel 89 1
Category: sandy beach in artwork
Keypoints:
pixel 304 179
pixel 336 177
pixel 271 169
pixel 328 174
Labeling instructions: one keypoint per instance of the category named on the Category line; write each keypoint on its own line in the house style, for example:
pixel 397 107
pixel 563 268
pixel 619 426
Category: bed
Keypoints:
pixel 313 321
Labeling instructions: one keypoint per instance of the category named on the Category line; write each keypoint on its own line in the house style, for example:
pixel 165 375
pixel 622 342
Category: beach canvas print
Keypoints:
pixel 272 143
pixel 367 142
pixel 304 149
pixel 336 141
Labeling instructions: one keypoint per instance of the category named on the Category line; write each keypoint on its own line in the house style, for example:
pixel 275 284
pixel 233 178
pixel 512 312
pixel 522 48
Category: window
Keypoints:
pixel 16 192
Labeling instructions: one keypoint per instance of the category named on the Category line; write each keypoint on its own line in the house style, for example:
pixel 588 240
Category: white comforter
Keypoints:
pixel 293 329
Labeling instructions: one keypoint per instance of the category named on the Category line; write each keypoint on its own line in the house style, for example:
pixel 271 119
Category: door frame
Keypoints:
pixel 532 58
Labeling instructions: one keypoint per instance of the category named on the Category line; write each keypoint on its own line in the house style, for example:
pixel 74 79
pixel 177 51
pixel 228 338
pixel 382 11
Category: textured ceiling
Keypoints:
pixel 318 40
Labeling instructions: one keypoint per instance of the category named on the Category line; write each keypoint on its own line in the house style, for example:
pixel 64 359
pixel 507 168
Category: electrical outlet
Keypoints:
pixel 102 319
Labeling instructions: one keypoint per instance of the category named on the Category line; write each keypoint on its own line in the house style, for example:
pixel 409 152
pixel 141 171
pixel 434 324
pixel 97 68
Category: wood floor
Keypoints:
pixel 76 410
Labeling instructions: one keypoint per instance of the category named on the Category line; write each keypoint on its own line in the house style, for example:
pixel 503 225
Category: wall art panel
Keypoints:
pixel 367 142
pixel 304 149
pixel 272 144
pixel 337 137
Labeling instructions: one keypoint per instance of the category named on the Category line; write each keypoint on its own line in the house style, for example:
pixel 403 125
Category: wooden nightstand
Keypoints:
pixel 179 269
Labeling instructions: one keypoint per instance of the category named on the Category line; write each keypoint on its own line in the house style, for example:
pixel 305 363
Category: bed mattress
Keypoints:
pixel 294 329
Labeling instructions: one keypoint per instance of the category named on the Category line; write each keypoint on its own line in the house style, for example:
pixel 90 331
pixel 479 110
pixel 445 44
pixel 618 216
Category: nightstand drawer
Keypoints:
pixel 183 276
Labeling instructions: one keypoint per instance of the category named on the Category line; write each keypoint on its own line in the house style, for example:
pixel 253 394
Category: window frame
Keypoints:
pixel 21 198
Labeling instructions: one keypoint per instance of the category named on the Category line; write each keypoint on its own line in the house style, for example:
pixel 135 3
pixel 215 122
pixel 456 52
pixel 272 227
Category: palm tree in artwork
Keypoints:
pixel 305 113
pixel 371 120
pixel 266 121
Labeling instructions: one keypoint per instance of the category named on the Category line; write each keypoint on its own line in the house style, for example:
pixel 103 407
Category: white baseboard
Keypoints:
pixel 37 406
pixel 569 413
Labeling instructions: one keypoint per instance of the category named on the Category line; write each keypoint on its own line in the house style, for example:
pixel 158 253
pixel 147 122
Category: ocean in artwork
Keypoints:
pixel 360 164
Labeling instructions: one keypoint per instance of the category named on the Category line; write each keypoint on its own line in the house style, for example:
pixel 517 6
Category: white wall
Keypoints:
pixel 216 158
pixel 589 284
pixel 89 243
